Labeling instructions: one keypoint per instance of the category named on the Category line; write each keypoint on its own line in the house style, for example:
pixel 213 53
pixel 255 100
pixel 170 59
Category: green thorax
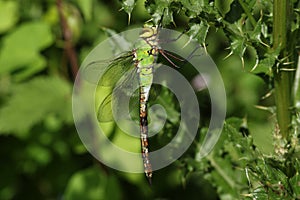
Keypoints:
pixel 145 54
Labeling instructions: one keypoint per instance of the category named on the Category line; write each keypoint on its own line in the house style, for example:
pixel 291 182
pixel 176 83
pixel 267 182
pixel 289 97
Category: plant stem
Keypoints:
pixel 248 13
pixel 282 79
pixel 222 172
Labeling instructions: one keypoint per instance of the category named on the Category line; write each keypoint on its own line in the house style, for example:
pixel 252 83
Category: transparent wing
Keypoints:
pixel 121 76
pixel 123 102
pixel 114 106
pixel 107 72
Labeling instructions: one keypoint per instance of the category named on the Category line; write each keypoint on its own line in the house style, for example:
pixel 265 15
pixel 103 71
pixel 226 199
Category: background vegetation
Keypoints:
pixel 254 44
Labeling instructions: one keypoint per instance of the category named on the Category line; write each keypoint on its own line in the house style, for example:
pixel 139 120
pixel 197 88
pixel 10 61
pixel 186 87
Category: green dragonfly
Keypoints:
pixel 139 64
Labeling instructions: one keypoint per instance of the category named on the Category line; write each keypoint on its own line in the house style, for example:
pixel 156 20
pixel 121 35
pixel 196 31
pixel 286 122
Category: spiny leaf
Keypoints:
pixel 265 64
pixel 232 146
pixel 160 10
pixel 195 6
pixel 223 6
pixel 199 31
pixel 128 6
pixel 295 180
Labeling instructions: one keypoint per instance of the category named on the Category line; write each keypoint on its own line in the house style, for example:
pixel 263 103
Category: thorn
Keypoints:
pixel 268 94
pixel 129 17
pixel 228 55
pixel 150 20
pixel 204 46
pixel 255 65
pixel 243 62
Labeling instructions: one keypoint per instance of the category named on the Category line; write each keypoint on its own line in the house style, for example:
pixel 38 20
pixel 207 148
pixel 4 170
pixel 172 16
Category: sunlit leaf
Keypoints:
pixel 18 51
pixel 91 184
pixel 9 14
pixel 30 102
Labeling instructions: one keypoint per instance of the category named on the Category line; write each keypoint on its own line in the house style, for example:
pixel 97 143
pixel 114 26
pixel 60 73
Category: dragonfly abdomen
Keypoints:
pixel 144 93
pixel 145 56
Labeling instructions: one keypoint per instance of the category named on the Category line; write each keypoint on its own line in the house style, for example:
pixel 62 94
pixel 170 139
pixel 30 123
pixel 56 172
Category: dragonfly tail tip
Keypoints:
pixel 149 178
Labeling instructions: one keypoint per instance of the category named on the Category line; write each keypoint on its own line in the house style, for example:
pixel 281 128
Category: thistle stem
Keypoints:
pixel 282 79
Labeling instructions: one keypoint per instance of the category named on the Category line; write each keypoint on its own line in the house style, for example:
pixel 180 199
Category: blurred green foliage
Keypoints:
pixel 42 156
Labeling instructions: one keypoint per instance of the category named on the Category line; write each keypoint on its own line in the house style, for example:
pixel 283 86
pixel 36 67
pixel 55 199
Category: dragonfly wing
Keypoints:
pixel 105 113
pixel 119 106
pixel 117 70
pixel 123 102
pixel 107 72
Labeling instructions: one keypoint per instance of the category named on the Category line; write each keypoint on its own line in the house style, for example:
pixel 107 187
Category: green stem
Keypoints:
pixel 248 13
pixel 221 172
pixel 282 79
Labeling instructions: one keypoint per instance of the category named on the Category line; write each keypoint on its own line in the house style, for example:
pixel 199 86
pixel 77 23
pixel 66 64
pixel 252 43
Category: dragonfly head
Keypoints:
pixel 149 30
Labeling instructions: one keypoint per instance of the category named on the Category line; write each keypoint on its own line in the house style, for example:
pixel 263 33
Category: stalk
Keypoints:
pixel 282 78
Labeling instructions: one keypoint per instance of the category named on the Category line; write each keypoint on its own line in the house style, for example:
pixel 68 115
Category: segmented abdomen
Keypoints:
pixel 144 93
pixel 145 56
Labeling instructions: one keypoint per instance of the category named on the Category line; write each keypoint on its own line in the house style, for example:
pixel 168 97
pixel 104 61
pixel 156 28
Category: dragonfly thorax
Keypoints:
pixel 145 55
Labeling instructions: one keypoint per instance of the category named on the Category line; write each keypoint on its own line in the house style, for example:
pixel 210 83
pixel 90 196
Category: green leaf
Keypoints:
pixel 199 31
pixel 295 183
pixel 223 6
pixel 195 6
pixel 30 102
pixel 265 64
pixel 41 155
pixel 37 65
pixel 9 15
pixel 92 184
pixel 229 159
pixel 21 48
pixel 238 47
pixel 160 10
pixel 260 193
pixel 256 33
pixel 128 6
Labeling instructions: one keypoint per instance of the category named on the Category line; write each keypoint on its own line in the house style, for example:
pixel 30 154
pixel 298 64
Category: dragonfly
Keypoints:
pixel 140 62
